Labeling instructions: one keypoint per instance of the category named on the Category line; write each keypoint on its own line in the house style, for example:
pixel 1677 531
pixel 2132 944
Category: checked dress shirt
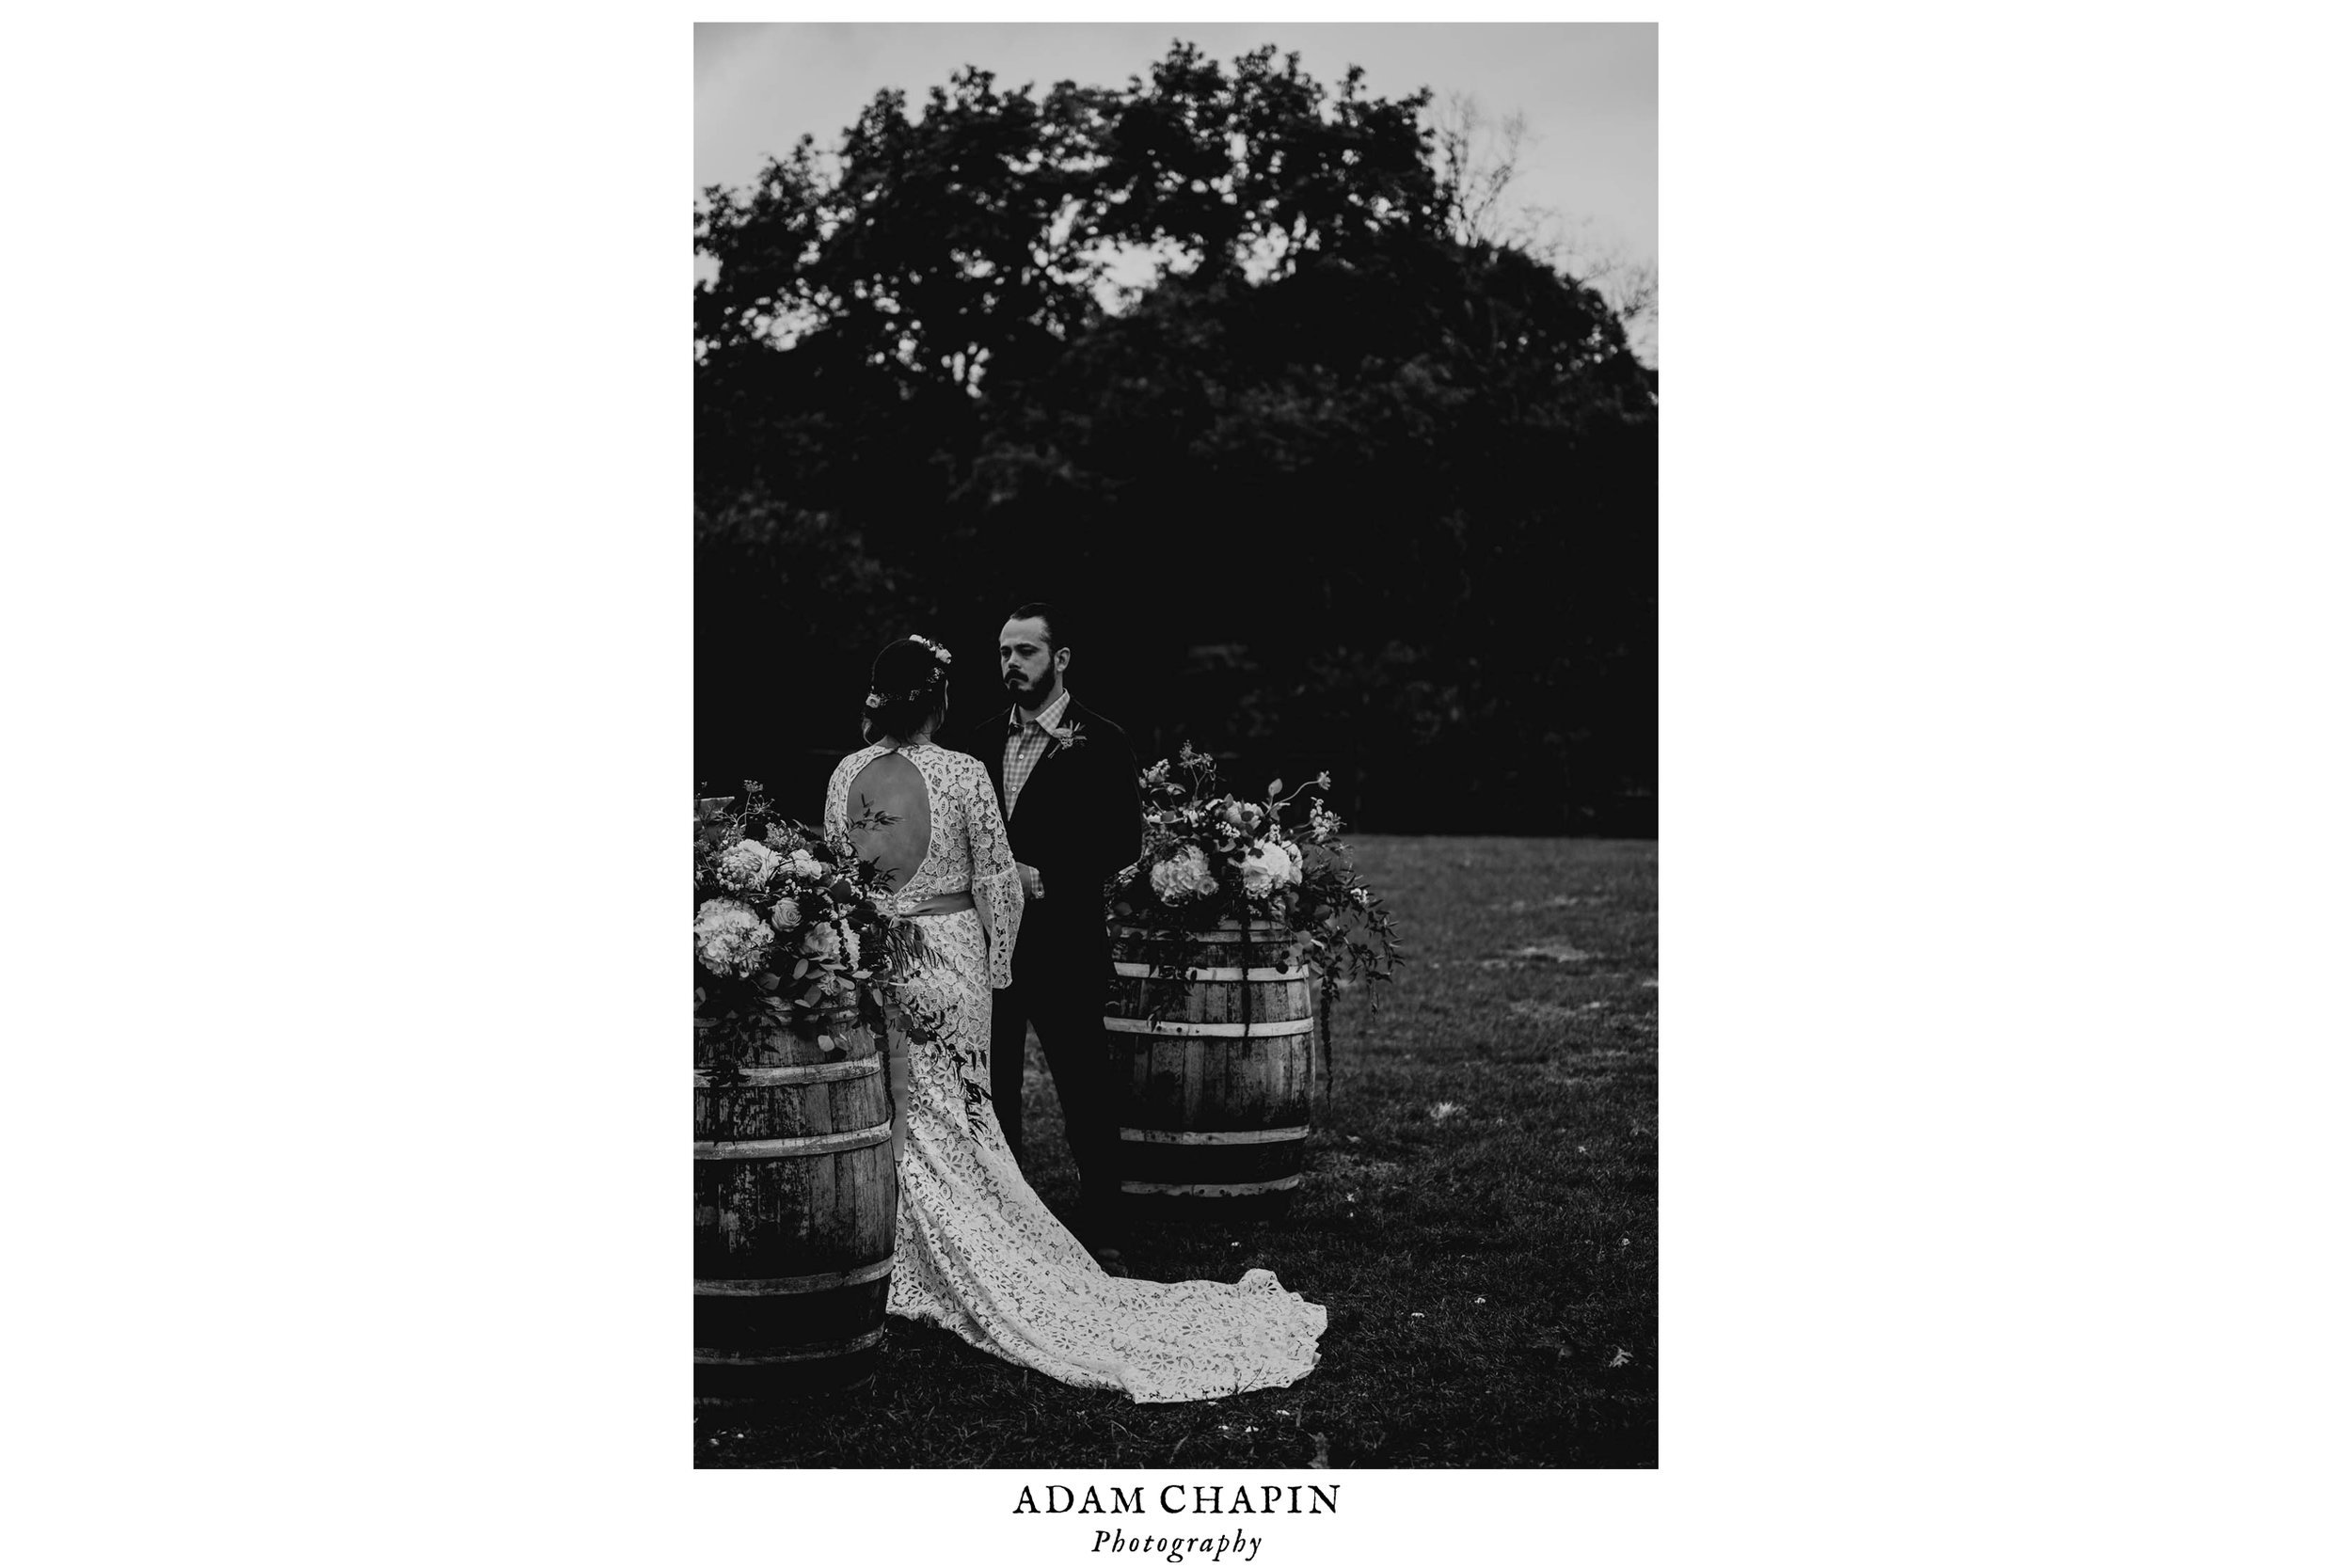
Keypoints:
pixel 1024 743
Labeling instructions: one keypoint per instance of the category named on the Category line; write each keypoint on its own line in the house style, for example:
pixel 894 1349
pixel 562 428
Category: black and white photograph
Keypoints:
pixel 1175 740
pixel 1221 705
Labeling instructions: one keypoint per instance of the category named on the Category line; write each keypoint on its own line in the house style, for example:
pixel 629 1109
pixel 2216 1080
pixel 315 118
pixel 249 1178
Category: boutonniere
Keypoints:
pixel 1071 734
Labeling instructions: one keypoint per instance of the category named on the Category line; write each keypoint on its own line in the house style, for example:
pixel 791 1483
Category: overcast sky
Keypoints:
pixel 1589 90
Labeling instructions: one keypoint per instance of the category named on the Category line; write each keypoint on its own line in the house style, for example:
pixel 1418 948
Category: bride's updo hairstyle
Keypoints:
pixel 909 689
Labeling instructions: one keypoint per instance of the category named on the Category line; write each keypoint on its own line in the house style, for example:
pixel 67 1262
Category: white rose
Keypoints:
pixel 786 915
pixel 806 866
pixel 1265 869
pixel 747 866
pixel 822 940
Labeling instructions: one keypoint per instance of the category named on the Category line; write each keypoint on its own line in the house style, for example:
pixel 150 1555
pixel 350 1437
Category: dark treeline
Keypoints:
pixel 1337 483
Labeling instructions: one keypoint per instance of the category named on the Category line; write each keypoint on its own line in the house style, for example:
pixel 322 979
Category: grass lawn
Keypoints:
pixel 1491 1269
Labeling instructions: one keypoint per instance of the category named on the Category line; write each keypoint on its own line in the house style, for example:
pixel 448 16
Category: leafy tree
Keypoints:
pixel 1341 485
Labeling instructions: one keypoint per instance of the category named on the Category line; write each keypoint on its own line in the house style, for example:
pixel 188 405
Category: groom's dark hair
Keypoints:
pixel 1039 609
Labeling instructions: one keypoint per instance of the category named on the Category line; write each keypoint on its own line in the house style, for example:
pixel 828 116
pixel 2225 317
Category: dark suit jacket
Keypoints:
pixel 1080 819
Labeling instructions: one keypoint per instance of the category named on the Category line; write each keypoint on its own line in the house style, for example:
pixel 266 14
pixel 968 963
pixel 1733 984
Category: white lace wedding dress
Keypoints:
pixel 978 1253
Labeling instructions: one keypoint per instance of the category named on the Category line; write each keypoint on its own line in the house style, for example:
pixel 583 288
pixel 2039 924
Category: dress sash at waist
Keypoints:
pixel 938 903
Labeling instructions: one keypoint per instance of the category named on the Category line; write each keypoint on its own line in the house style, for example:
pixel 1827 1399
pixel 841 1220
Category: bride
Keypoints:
pixel 978 1253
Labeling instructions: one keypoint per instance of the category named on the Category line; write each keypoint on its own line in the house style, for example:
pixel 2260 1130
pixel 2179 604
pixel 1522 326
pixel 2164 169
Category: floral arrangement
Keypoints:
pixel 1210 856
pixel 787 927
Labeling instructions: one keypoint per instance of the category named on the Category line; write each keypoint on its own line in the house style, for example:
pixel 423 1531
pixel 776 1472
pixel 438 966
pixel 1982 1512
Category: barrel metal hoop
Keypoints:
pixel 1229 936
pixel 1238 1135
pixel 1145 1026
pixel 764 1148
pixel 805 1073
pixel 1145 972
pixel 825 1352
pixel 1210 1189
pixel 793 1285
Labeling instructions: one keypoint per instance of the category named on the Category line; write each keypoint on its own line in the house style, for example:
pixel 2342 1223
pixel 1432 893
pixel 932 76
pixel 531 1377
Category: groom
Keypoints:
pixel 1065 779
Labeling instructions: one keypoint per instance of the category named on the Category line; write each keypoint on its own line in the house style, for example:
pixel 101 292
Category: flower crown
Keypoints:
pixel 940 658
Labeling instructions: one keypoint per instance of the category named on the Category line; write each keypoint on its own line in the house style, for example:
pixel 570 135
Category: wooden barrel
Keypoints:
pixel 1209 1068
pixel 796 1212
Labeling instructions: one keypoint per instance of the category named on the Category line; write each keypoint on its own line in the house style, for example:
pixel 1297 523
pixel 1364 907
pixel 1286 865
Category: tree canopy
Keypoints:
pixel 1320 480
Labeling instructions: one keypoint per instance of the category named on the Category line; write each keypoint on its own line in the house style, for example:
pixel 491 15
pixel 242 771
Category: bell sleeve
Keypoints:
pixel 996 880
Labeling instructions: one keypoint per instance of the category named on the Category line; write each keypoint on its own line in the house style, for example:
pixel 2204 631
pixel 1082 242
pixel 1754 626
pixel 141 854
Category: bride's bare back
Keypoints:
pixel 891 785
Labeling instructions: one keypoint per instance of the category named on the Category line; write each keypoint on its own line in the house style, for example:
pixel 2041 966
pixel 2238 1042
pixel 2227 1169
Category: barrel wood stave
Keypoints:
pixel 795 1212
pixel 1210 1113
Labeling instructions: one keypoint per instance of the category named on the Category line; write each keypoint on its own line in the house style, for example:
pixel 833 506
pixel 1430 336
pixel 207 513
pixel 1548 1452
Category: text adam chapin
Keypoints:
pixel 1181 1498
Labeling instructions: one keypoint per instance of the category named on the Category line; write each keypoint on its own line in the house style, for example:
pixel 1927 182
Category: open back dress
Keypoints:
pixel 978 1253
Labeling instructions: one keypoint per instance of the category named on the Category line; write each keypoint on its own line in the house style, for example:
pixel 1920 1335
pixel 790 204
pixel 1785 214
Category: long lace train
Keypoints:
pixel 978 1252
pixel 980 1255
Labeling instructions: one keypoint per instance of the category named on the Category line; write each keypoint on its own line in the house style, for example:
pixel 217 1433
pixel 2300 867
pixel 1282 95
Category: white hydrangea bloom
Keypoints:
pixel 1203 885
pixel 1182 876
pixel 730 938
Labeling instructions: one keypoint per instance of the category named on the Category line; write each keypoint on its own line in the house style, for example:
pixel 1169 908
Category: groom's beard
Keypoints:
pixel 1030 698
